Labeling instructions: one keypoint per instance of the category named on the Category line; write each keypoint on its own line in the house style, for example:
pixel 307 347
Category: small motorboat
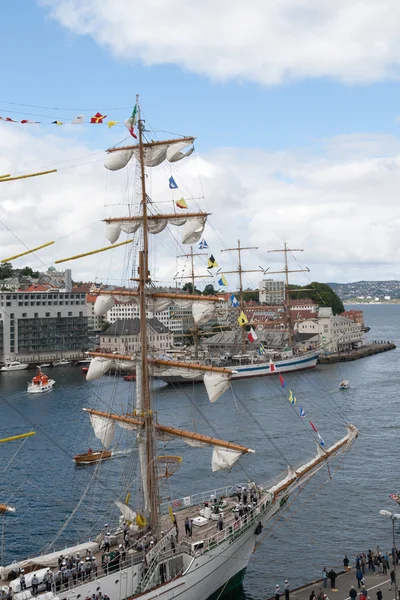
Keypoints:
pixel 344 385
pixel 129 377
pixel 84 369
pixel 90 457
pixel 14 366
pixel 62 363
pixel 45 365
pixel 40 383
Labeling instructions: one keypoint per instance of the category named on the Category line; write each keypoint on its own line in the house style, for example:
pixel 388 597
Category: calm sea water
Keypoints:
pixel 328 519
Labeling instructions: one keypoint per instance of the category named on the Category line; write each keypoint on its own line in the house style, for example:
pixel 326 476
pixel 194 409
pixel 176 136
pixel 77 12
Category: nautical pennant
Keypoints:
pixel 57 123
pixel 302 413
pixel 234 301
pixel 212 262
pixel 283 382
pixel 252 336
pixel 98 118
pixel 261 349
pixel 181 203
pixel 313 426
pixel 321 441
pixel 131 122
pixel 242 319
pixel 79 120
pixel 111 124
pixel 292 398
pixel 172 184
pixel 222 280
pixel 271 366
pixel 203 244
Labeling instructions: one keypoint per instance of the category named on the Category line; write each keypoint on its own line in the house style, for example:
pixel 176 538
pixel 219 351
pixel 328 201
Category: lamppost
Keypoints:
pixel 394 517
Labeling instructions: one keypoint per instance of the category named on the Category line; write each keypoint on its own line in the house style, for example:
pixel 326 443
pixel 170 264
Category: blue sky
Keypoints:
pixel 294 106
pixel 49 66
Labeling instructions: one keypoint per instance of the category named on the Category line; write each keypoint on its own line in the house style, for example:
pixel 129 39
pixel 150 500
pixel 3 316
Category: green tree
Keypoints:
pixel 321 293
pixel 6 270
pixel 28 272
pixel 251 295
pixel 209 290
pixel 188 288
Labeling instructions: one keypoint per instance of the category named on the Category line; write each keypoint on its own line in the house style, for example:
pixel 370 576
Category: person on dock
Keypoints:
pixel 220 522
pixel 359 577
pixel 175 522
pixel 379 595
pixel 332 576
pixel 325 577
pixel 187 526
pixel 22 581
pixel 35 584
pixel 313 596
pixel 364 591
pixel 287 590
pixel 353 593
pixel 278 592
pixel 107 542
pixel 346 563
pixel 392 580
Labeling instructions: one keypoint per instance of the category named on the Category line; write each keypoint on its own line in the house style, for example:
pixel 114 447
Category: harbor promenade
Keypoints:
pixel 364 351
pixel 344 581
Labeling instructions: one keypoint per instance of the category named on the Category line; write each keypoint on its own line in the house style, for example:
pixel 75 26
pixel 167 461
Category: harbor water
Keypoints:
pixel 58 503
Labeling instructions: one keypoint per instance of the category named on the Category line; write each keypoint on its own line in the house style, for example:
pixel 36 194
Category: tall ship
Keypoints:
pixel 193 547
pixel 247 362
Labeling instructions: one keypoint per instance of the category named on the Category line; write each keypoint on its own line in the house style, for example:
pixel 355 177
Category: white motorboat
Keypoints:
pixel 14 366
pixel 40 383
pixel 62 363
pixel 344 385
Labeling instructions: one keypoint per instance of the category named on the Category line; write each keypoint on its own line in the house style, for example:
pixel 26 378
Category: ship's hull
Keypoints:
pixel 288 365
pixel 41 388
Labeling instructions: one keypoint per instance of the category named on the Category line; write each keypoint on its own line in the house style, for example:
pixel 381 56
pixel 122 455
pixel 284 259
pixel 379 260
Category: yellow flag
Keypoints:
pixel 111 124
pixel 181 203
pixel 242 319
pixel 171 514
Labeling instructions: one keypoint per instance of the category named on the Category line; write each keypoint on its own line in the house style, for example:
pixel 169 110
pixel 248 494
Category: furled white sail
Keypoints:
pixel 118 160
pixel 98 367
pixel 216 384
pixel 141 441
pixel 203 311
pixel 126 365
pixel 103 304
pixel 104 429
pixel 223 458
pixel 113 231
pixel 193 230
pixel 158 304
pixel 126 511
pixel 174 151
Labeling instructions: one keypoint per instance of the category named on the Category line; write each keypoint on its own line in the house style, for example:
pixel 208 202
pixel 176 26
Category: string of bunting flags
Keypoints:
pixel 96 119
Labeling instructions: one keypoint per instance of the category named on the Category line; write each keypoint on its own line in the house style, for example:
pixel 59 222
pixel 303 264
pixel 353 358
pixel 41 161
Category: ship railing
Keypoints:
pixel 195 499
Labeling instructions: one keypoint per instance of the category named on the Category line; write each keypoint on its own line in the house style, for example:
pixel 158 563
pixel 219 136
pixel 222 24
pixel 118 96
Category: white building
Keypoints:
pixel 336 334
pixel 123 336
pixel 131 311
pixel 272 292
pixel 42 324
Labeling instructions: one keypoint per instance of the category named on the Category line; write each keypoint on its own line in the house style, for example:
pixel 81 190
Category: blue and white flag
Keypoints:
pixel 321 441
pixel 234 301
pixel 302 413
pixel 261 350
pixel 172 184
pixel 203 244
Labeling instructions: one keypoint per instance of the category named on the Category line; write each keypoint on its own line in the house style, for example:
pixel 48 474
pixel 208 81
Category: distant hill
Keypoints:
pixel 375 289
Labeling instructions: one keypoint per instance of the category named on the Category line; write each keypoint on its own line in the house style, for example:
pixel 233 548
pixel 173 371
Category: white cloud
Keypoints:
pixel 267 41
pixel 340 205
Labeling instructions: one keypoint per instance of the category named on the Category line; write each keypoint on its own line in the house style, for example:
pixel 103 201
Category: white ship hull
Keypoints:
pixel 41 388
pixel 287 365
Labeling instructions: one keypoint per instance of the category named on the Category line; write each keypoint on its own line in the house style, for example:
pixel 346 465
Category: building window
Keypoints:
pixel 70 313
pixel 58 314
pixel 23 315
pixel 47 314
pixel 36 315
pixel 80 313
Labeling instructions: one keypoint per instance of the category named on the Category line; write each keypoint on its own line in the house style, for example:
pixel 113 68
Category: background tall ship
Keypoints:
pixel 161 557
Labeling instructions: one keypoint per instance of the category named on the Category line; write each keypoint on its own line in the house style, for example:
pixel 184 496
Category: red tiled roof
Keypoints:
pixel 38 287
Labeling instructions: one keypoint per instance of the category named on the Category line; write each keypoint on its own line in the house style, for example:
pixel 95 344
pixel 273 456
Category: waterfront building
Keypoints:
pixel 357 316
pixel 272 291
pixel 123 336
pixel 336 333
pixel 41 323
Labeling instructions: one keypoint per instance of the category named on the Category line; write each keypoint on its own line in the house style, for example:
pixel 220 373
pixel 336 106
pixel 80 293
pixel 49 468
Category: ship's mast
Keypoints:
pixel 239 249
pixel 143 280
pixel 192 277
pixel 286 271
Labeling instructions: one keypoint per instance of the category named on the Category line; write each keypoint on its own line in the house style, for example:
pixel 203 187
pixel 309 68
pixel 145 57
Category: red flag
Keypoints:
pixel 313 426
pixel 252 336
pixel 8 119
pixel 271 365
pixel 98 118
pixel 283 382
pixel 25 121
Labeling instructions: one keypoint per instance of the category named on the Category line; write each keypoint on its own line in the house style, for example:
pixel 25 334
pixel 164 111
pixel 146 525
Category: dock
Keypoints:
pixel 344 581
pixel 363 352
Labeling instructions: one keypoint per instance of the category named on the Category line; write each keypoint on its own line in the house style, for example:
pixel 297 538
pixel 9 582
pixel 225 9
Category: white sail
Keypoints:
pixel 174 151
pixel 193 230
pixel 103 304
pixel 126 511
pixel 118 160
pixel 130 226
pixel 98 367
pixel 156 225
pixel 216 384
pixel 223 458
pixel 113 231
pixel 203 311
pixel 104 429
pixel 155 155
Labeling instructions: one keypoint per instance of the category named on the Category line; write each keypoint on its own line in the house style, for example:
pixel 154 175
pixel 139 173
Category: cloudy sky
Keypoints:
pixel 295 105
